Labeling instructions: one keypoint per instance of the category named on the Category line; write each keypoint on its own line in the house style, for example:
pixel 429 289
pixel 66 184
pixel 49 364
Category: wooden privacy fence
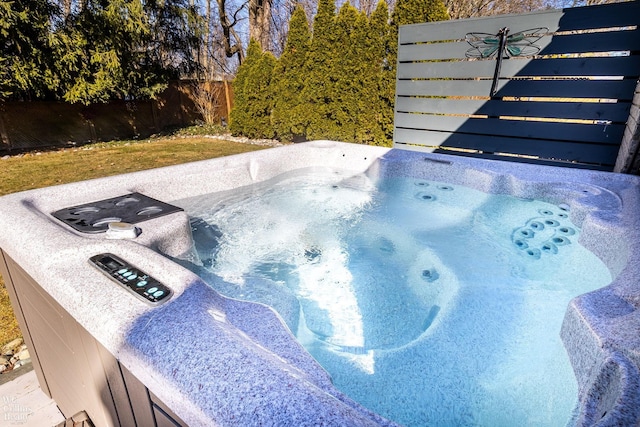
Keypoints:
pixel 41 124
pixel 553 87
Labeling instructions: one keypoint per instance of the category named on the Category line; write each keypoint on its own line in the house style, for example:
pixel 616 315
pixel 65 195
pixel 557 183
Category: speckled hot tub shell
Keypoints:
pixel 236 363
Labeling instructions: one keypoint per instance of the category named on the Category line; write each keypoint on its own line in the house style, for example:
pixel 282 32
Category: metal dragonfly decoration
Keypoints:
pixel 503 45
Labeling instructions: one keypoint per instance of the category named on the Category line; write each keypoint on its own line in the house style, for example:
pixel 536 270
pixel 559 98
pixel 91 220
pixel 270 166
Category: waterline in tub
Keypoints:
pixel 427 302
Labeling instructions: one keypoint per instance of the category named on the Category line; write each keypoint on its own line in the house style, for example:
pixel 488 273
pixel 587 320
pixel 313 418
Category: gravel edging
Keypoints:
pixel 245 140
pixel 219 137
pixel 13 355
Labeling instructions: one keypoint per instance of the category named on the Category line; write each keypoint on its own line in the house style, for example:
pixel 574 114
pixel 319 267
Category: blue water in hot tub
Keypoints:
pixel 428 303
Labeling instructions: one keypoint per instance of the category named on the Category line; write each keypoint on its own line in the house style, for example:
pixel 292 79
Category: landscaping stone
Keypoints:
pixel 21 363
pixel 14 355
pixel 21 354
pixel 10 348
pixel 245 140
pixel 24 354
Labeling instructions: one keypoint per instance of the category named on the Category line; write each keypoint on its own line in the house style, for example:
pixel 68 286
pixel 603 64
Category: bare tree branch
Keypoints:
pixel 230 38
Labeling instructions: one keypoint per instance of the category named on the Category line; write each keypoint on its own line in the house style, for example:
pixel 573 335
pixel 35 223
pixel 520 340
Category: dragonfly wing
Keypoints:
pixel 520 50
pixel 522 42
pixel 527 36
pixel 513 50
pixel 483 45
pixel 489 51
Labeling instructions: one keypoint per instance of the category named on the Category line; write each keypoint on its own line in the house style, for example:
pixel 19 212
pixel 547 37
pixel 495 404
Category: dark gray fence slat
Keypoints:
pixel 556 67
pixel 443 87
pixel 529 160
pixel 444 30
pixel 594 133
pixel 451 69
pixel 542 148
pixel 623 14
pixel 610 41
pixel 589 66
pixel 612 89
pixel 580 18
pixel 608 89
pixel 444 51
pixel 613 41
pixel 432 51
pixel 615 112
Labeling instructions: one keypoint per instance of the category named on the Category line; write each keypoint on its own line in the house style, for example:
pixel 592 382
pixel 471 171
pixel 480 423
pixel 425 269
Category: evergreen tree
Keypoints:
pixel 123 49
pixel 26 67
pixel 317 91
pixel 261 97
pixel 104 49
pixel 253 95
pixel 418 11
pixel 176 32
pixel 289 117
pixel 381 88
pixel 347 76
pixel 240 117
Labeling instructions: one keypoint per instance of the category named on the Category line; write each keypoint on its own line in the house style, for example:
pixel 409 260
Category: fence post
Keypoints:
pixel 3 130
pixel 227 99
pixel 183 121
pixel 154 114
pixel 628 160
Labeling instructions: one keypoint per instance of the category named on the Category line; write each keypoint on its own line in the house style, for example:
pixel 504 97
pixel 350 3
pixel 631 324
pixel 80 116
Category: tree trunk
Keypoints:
pixel 66 8
pixel 259 22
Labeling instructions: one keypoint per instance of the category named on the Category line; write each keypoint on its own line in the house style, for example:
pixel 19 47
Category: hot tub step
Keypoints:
pixel 81 419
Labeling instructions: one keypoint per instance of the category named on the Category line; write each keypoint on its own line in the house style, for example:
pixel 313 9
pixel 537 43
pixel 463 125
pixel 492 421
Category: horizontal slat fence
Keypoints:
pixel 565 99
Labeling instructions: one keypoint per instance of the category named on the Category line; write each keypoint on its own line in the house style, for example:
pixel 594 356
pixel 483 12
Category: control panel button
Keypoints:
pixel 125 274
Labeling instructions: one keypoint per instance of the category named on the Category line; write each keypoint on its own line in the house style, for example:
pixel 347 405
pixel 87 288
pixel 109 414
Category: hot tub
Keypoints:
pixel 197 357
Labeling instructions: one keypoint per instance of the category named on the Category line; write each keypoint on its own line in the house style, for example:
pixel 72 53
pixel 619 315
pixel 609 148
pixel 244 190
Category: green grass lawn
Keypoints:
pixel 36 170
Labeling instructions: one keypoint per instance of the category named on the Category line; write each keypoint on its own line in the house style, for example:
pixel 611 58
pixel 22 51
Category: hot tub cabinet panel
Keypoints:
pixel 200 358
pixel 72 367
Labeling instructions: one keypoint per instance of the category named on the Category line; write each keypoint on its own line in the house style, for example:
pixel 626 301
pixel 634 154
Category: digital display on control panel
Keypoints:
pixel 110 263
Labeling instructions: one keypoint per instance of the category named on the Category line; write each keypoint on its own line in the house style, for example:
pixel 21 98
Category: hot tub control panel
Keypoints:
pixel 132 278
